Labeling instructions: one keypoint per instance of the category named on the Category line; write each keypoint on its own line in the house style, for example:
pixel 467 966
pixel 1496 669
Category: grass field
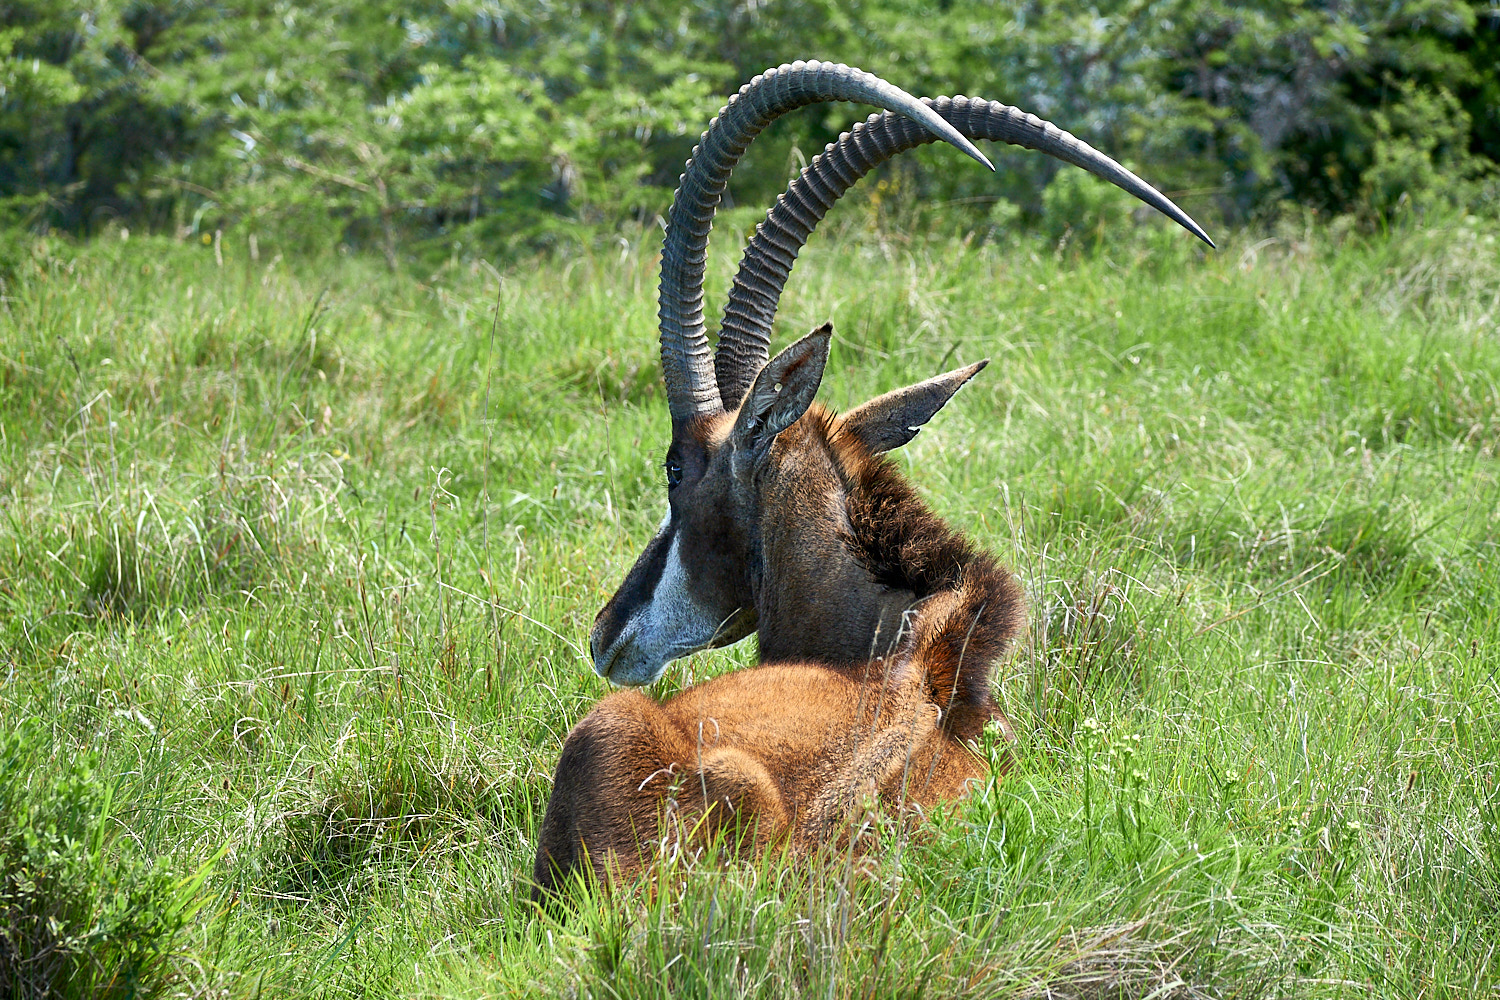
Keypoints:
pixel 297 561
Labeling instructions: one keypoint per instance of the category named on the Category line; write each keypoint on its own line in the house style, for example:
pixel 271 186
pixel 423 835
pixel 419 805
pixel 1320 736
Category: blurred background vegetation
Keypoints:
pixel 435 128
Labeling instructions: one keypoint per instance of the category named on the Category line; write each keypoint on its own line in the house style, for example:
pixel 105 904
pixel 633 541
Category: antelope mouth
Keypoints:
pixel 622 662
pixel 628 662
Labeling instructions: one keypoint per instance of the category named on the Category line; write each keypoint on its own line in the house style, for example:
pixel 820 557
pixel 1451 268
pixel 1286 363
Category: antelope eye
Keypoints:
pixel 674 473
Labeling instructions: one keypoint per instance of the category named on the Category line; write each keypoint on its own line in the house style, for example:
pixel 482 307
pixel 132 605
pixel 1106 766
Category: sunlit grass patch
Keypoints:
pixel 395 797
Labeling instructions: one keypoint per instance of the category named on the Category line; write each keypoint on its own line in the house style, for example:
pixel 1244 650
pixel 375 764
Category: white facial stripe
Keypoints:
pixel 670 625
pixel 673 617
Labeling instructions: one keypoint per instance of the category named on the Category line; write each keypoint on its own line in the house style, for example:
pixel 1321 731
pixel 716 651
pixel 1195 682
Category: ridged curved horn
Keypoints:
pixel 745 334
pixel 686 362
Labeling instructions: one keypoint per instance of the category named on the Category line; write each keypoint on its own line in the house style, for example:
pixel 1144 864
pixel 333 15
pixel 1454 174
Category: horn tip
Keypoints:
pixel 1190 224
pixel 949 132
pixel 962 375
pixel 1187 222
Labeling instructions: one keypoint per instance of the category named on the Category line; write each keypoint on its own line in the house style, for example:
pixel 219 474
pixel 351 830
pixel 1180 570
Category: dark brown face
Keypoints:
pixel 690 589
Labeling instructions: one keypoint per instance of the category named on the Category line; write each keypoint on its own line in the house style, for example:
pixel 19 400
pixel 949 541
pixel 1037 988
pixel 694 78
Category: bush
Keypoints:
pixel 1421 153
pixel 463 129
pixel 82 913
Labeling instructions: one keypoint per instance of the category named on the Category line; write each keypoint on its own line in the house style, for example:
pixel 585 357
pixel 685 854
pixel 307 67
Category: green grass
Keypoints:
pixel 301 557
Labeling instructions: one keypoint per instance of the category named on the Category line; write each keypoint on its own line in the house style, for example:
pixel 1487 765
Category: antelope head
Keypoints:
pixel 695 585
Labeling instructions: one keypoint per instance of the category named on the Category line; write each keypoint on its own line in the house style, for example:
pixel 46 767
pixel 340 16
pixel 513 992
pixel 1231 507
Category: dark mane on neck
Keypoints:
pixel 970 608
pixel 892 530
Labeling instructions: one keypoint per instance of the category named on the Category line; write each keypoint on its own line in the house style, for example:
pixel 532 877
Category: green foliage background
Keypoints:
pixel 485 126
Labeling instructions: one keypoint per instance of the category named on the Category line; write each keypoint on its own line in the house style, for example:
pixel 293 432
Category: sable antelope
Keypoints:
pixel 878 624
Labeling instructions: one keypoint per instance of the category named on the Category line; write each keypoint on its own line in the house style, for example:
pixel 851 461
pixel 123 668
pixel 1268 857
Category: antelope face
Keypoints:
pixel 689 589
pixel 692 587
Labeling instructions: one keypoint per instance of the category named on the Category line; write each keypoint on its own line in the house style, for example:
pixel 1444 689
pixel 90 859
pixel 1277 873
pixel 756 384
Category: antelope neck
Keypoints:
pixel 816 595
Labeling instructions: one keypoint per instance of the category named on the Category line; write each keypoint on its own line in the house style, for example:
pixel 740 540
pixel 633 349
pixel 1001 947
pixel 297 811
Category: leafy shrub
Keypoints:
pixel 82 913
pixel 1421 154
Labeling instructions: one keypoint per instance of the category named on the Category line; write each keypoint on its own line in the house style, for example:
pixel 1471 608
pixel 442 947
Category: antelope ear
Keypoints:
pixel 889 421
pixel 782 391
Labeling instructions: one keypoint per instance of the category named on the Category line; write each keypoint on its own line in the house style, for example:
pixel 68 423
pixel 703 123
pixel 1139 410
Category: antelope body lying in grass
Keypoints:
pixel 878 624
